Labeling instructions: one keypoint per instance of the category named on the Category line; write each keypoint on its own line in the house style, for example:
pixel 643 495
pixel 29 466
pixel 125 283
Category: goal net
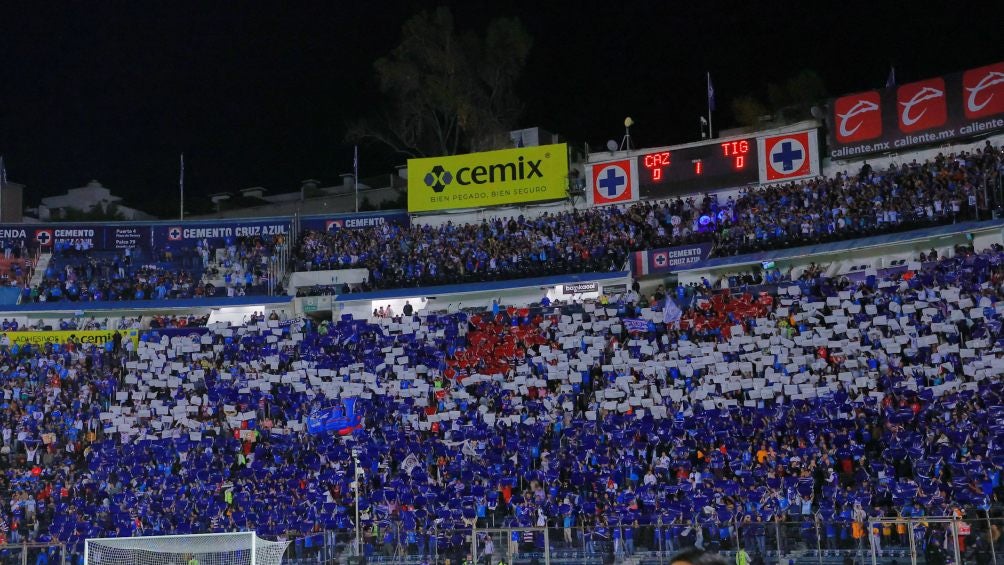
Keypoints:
pixel 241 548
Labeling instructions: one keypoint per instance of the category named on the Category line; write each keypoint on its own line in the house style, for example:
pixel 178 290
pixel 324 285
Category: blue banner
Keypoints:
pixel 218 232
pixel 667 259
pixel 141 235
pixel 194 332
pixel 355 221
pixel 86 236
pixel 635 325
pixel 340 419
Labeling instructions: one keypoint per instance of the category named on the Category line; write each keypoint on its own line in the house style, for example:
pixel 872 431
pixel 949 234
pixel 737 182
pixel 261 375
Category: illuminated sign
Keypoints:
pixel 710 166
pixel 491 178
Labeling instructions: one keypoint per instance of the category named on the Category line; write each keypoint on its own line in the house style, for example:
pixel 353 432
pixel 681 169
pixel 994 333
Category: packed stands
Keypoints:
pixel 943 190
pixel 812 406
pixel 77 273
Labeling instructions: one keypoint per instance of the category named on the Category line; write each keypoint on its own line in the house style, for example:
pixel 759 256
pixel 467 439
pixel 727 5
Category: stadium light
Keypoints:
pixel 626 142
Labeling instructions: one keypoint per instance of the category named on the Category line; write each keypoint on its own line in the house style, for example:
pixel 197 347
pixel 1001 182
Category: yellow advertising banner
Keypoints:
pixel 97 337
pixel 491 178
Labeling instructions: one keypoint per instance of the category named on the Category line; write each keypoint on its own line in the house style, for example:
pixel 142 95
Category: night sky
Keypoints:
pixel 261 95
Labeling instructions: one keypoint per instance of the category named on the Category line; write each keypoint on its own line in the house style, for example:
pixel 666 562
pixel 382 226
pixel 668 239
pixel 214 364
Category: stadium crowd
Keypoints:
pixel 78 273
pixel 945 189
pixel 828 401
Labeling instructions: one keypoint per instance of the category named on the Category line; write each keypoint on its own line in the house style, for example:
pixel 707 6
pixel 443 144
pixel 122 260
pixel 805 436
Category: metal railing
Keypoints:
pixel 808 540
pixel 34 554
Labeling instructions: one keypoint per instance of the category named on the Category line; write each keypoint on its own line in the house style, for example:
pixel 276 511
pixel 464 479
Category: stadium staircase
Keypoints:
pixel 40 267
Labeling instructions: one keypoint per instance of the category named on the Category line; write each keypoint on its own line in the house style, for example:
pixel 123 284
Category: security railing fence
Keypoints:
pixel 34 554
pixel 812 540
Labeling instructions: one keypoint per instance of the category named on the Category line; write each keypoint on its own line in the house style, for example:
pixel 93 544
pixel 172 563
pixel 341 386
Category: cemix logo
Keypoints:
pixel 984 91
pixel 922 105
pixel 858 117
pixel 438 178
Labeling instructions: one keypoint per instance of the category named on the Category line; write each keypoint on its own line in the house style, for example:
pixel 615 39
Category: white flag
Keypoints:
pixel 410 463
pixel 671 312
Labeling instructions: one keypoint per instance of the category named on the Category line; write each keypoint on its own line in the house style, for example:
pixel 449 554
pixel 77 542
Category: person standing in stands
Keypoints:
pixel 742 558
pixel 489 550
pixel 408 309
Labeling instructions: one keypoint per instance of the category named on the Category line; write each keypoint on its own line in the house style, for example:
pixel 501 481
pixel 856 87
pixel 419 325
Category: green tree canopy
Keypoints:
pixel 447 92
pixel 787 101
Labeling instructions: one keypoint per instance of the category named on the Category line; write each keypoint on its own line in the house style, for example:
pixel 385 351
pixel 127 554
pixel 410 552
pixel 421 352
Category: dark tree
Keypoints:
pixel 445 92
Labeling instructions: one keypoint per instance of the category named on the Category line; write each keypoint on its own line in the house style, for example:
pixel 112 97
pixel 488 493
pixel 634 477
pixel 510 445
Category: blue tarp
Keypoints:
pixel 9 295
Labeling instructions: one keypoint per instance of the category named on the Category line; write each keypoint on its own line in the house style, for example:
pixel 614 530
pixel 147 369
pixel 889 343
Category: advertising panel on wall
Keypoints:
pixel 613 182
pixel 217 232
pixel 788 156
pixel 491 178
pixel 94 236
pixel 361 220
pixel 668 259
pixel 143 235
pixel 930 111
pixel 95 337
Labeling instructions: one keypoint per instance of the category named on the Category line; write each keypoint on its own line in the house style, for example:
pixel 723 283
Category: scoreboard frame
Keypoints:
pixel 709 165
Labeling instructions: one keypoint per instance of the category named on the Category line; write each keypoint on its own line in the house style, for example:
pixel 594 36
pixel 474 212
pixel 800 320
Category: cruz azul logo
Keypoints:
pixel 43 237
pixel 612 183
pixel 983 91
pixel 438 178
pixel 858 117
pixel 788 156
pixel 921 105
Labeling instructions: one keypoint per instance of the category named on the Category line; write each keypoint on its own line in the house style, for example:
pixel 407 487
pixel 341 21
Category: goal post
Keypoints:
pixel 239 548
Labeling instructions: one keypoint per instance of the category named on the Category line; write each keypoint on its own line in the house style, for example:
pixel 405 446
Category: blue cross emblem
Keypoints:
pixel 612 181
pixel 787 155
pixel 660 259
pixel 175 233
pixel 43 237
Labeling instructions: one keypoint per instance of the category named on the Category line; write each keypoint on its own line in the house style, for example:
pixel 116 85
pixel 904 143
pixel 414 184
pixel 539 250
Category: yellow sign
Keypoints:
pixel 492 178
pixel 97 337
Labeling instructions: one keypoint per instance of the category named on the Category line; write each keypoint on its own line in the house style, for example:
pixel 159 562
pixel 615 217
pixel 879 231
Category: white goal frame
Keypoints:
pixel 187 544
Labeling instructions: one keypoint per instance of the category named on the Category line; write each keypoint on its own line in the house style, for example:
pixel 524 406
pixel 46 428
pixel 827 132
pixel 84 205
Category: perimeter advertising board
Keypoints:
pixel 491 178
pixel 926 112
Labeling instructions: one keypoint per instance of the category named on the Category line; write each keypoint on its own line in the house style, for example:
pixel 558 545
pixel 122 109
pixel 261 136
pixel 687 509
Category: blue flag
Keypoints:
pixel 711 94
pixel 341 419
pixel 635 325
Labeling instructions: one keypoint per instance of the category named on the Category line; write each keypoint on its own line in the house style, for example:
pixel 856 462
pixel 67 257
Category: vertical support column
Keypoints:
pixel 872 543
pixel 777 535
pixel 913 541
pixel 474 542
pixel 993 550
pixel 955 540
pixel 547 546
pixel 254 552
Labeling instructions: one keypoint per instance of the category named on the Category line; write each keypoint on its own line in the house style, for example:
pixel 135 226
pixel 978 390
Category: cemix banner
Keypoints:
pixel 925 112
pixel 491 178
pixel 96 337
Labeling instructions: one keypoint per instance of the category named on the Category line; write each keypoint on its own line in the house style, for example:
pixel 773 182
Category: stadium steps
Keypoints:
pixel 43 263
